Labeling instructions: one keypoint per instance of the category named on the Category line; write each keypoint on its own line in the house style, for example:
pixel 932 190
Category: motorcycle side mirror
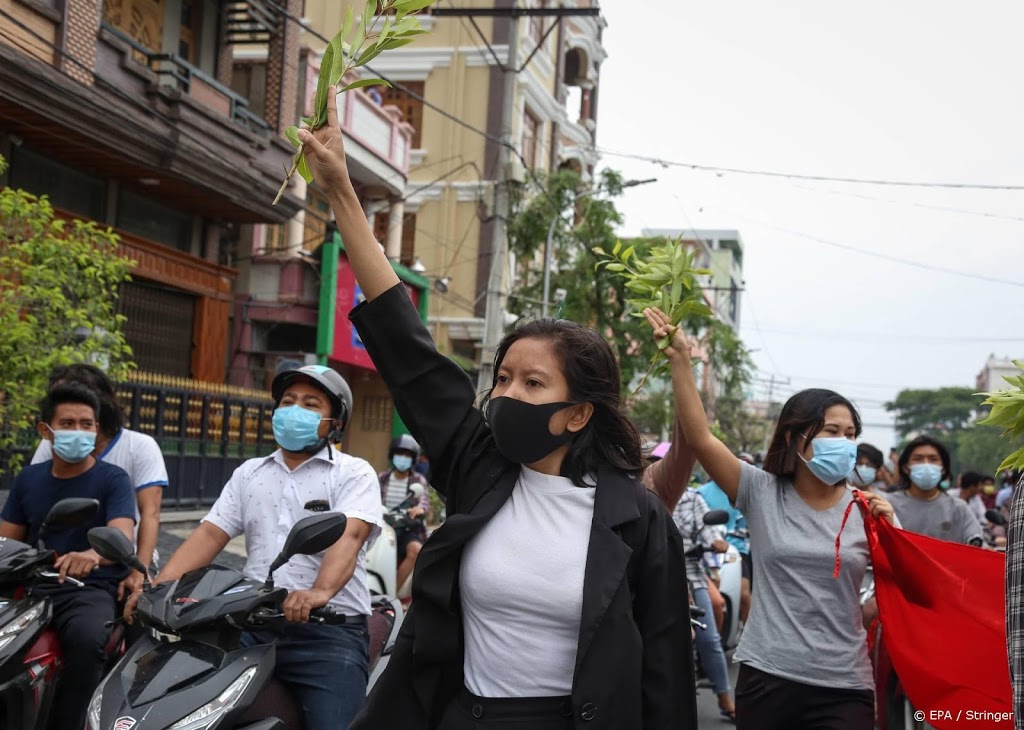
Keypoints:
pixel 417 490
pixel 716 517
pixel 114 545
pixel 996 517
pixel 309 536
pixel 68 513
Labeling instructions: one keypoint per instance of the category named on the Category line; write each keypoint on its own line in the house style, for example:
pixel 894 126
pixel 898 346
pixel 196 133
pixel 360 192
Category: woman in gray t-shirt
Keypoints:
pixel 803 653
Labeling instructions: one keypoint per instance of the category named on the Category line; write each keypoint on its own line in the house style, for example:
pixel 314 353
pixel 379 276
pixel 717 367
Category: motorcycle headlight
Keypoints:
pixel 19 623
pixel 207 716
pixel 96 704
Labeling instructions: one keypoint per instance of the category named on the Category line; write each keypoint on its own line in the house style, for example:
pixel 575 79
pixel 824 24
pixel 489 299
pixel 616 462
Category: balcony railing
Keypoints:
pixel 378 128
pixel 198 85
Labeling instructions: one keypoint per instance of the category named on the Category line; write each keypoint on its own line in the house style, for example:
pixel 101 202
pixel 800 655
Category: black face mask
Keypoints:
pixel 521 429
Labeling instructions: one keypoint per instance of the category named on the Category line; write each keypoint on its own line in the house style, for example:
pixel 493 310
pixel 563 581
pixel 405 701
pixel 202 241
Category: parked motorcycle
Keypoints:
pixel 191 672
pixel 30 656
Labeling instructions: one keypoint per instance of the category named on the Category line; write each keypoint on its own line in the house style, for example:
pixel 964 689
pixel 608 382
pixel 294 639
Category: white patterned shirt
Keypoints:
pixel 689 518
pixel 264 499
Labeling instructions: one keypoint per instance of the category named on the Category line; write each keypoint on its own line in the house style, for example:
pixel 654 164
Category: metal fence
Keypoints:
pixel 204 430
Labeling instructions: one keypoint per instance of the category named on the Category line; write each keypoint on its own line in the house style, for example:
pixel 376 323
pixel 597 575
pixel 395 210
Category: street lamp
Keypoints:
pixel 549 243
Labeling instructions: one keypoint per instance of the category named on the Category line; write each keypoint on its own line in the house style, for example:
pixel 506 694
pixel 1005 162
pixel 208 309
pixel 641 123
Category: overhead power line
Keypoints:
pixel 874 254
pixel 803 176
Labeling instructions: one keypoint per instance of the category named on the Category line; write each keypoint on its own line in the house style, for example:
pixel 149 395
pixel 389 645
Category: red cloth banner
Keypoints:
pixel 942 606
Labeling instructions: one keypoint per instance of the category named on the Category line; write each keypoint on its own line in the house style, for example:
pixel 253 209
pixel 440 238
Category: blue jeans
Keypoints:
pixel 709 643
pixel 325 667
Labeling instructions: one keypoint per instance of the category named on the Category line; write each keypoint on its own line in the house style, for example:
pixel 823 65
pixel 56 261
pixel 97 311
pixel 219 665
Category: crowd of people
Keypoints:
pixel 558 588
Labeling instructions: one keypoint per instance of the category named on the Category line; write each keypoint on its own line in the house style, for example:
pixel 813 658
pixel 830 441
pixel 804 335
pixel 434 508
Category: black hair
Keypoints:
pixel 590 369
pixel 872 454
pixel 971 479
pixel 803 415
pixel 917 443
pixel 112 417
pixel 67 393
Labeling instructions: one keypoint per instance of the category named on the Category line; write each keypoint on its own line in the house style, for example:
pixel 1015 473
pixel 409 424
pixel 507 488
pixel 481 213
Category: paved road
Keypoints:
pixel 708 715
pixel 172 534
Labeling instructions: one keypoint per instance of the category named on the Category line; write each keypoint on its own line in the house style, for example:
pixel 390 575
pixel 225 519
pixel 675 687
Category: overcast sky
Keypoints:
pixel 911 90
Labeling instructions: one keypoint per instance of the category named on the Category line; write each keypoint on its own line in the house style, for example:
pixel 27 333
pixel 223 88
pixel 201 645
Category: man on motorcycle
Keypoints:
pixel 689 518
pixel 326 666
pixel 135 452
pixel 68 419
pixel 736 529
pixel 395 488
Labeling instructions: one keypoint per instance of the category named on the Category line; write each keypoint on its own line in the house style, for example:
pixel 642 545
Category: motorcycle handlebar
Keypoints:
pixel 322 615
pixel 51 575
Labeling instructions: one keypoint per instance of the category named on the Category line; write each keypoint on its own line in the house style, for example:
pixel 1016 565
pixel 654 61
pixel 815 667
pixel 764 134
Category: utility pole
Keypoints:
pixel 494 314
pixel 771 389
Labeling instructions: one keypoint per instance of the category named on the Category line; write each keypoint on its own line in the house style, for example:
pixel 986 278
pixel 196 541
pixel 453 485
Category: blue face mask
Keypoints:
pixel 834 459
pixel 863 476
pixel 402 462
pixel 73 446
pixel 926 476
pixel 296 428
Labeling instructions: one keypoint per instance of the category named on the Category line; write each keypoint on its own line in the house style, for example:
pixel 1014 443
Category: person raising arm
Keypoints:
pixel 550 596
pixel 791 676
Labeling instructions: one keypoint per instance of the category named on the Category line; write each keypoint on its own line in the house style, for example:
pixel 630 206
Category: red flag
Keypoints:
pixel 942 606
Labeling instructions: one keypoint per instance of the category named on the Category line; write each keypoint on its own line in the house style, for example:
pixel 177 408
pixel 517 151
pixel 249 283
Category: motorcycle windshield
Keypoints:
pixel 202 584
pixel 206 596
pixel 169 667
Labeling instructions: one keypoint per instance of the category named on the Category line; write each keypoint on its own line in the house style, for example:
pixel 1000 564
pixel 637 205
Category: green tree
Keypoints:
pixel 978 448
pixel 594 296
pixel 59 283
pixel 936 412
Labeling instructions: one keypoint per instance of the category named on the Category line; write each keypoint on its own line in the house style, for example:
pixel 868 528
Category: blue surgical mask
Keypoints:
pixel 296 428
pixel 73 446
pixel 402 462
pixel 833 460
pixel 926 476
pixel 863 476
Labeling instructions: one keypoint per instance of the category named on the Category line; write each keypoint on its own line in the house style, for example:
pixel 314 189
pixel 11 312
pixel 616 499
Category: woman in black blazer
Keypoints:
pixel 542 495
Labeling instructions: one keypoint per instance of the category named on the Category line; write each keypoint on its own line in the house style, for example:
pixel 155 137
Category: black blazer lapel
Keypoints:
pixel 608 555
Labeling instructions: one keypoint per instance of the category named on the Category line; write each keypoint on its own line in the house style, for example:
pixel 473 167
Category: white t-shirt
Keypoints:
pixel 521 585
pixel 264 499
pixel 398 490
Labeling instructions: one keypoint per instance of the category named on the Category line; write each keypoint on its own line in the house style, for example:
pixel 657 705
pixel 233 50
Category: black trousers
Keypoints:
pixel 767 702
pixel 469 712
pixel 79 618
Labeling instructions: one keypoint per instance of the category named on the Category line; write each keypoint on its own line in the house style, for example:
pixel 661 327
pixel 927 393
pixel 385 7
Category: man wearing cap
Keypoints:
pixel 326 666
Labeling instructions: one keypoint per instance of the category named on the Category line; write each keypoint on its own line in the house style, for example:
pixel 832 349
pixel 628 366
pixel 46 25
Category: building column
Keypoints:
pixel 283 71
pixel 374 201
pixel 396 214
pixel 297 226
pixel 587 88
pixel 81 30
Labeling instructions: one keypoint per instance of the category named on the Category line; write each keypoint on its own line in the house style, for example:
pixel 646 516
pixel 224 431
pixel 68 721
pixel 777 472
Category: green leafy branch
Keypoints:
pixel 665 278
pixel 1008 414
pixel 355 45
